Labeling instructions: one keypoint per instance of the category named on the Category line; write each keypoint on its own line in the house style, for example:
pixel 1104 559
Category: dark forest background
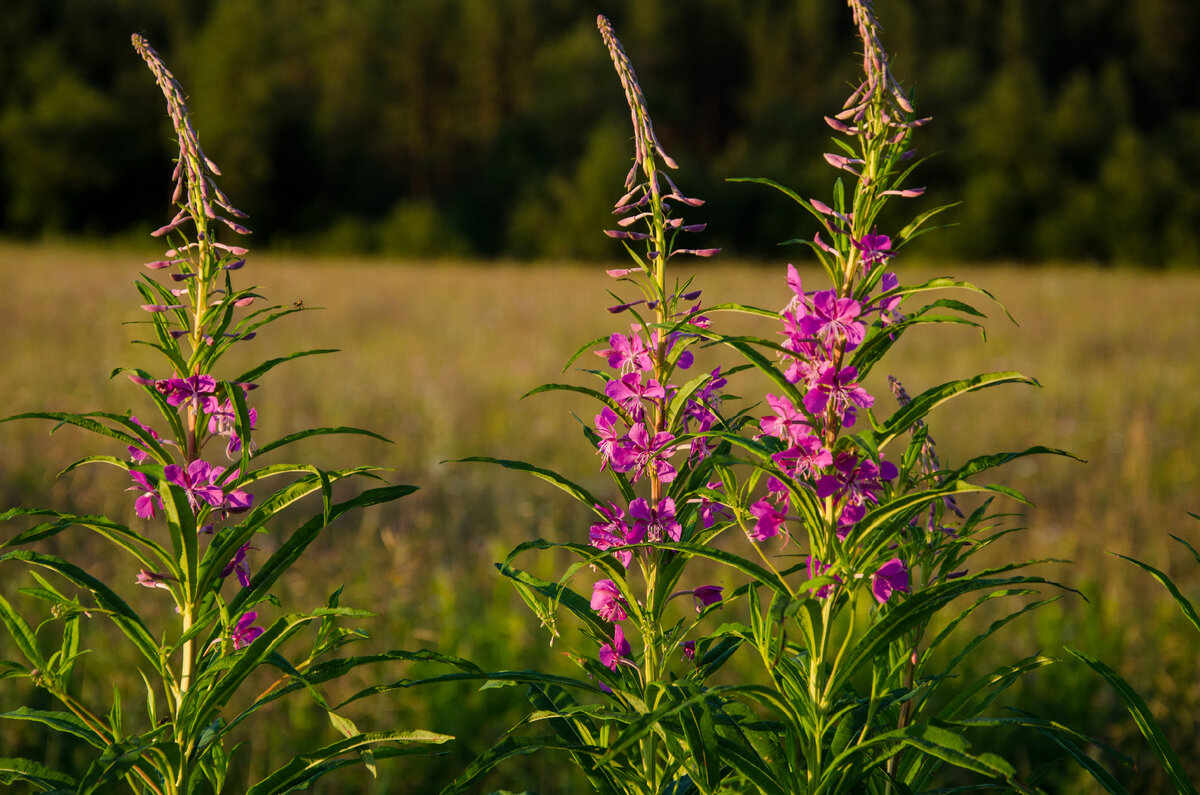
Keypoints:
pixel 1070 129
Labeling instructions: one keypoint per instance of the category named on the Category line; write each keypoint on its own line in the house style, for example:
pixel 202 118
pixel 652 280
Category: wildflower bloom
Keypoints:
pixel 788 424
pixel 835 390
pixel 136 454
pixel 629 392
pixel 222 420
pixel 834 319
pixel 240 565
pixel 234 500
pixel 807 457
pixel 196 481
pixel 612 532
pixel 816 569
pixel 243 633
pixel 611 654
pixel 855 480
pixel 650 453
pixel 891 577
pixel 627 354
pixel 688 647
pixel 195 388
pixel 706 595
pixel 654 524
pixel 711 509
pixel 874 249
pixel 769 520
pixel 612 451
pixel 148 502
pixel 607 601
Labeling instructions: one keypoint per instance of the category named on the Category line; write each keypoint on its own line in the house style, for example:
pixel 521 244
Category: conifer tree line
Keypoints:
pixel 467 128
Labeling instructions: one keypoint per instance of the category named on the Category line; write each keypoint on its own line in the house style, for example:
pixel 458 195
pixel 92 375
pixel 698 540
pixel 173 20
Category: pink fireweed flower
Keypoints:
pixel 769 520
pixel 196 481
pixel 710 510
pixel 850 515
pixel 194 387
pixel 607 601
pixel 706 595
pixel 891 577
pixel 610 447
pixel 815 569
pixel 222 420
pixel 875 249
pixel 629 392
pixel 788 424
pixel 807 457
pixel 855 480
pixel 235 500
pixel 243 633
pixel 149 501
pixel 654 524
pixel 650 453
pixel 887 307
pixel 688 647
pixel 240 565
pixel 833 319
pixel 612 532
pixel 627 354
pixel 777 492
pixel 837 389
pixel 612 654
pixel 798 304
pixel 136 454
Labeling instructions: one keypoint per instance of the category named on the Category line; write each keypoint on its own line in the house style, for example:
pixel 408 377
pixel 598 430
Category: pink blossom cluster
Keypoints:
pixel 820 328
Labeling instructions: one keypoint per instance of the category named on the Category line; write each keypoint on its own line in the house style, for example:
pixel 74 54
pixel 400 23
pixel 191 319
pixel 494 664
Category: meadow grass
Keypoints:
pixel 438 356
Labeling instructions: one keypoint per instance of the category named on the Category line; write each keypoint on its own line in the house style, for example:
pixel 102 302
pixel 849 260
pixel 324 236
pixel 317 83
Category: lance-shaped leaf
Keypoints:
pixel 45 779
pixel 925 402
pixel 1146 722
pixel 59 721
pixel 114 606
pixel 304 769
pixel 550 476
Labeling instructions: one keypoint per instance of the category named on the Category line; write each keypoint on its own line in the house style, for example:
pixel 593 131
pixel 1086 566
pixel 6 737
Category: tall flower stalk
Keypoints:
pixel 852 546
pixel 201 495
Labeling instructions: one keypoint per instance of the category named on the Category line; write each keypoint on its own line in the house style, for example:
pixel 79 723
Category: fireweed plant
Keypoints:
pixel 838 518
pixel 194 477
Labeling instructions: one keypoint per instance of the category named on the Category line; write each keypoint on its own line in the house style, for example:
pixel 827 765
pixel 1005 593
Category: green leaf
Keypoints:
pixel 117 761
pixel 699 731
pixel 115 532
pixel 22 634
pixel 307 768
pixel 84 421
pixel 305 434
pixel 600 396
pixel 121 613
pixel 46 779
pixel 1145 720
pixel 925 402
pixel 911 612
pixel 1185 605
pixel 572 488
pixel 255 373
pixel 506 749
pixel 64 722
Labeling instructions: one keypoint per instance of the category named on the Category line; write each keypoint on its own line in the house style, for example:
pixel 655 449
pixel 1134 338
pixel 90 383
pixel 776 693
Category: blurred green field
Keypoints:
pixel 437 356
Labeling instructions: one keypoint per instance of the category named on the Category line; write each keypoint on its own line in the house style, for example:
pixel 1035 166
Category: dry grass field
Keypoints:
pixel 435 356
